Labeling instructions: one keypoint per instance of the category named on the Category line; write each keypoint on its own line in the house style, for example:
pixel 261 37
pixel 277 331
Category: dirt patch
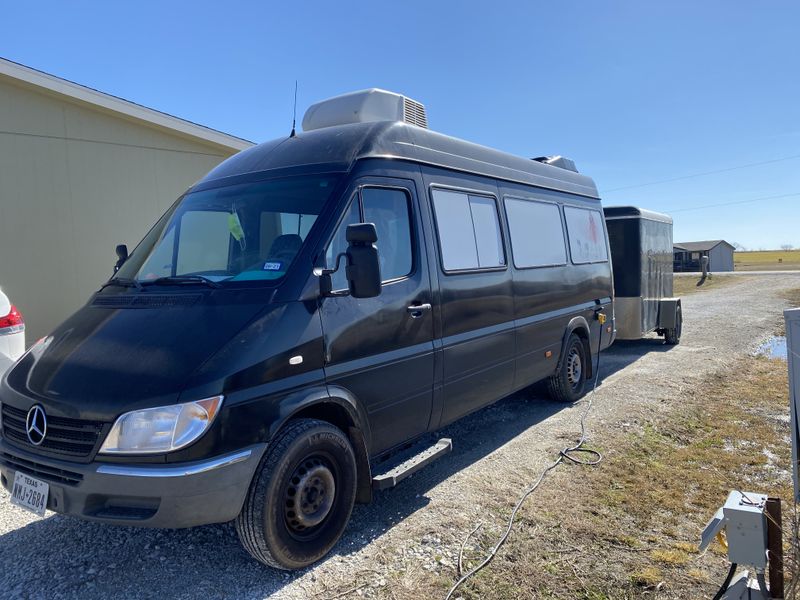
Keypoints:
pixel 792 296
pixel 687 284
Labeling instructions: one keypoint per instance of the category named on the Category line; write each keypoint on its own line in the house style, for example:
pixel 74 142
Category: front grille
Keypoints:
pixel 39 470
pixel 70 437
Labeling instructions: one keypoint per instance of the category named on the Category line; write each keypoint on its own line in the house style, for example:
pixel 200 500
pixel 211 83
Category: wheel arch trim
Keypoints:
pixel 578 325
pixel 357 429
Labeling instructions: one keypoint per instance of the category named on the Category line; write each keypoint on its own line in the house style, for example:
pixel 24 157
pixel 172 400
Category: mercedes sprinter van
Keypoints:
pixel 308 308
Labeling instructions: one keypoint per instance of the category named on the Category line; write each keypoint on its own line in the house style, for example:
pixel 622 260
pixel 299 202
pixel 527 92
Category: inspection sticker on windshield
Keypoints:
pixel 30 493
pixel 274 265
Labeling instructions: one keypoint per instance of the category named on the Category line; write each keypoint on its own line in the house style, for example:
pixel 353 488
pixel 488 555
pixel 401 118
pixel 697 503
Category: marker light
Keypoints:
pixel 162 429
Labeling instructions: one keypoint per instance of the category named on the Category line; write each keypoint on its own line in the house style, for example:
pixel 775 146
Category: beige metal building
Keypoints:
pixel 81 171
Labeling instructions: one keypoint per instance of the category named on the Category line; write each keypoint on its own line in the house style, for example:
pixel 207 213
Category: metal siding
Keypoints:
pixel 656 240
pixel 74 182
pixel 720 258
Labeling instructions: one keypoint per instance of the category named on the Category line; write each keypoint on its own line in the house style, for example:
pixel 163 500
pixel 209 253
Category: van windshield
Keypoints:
pixel 246 232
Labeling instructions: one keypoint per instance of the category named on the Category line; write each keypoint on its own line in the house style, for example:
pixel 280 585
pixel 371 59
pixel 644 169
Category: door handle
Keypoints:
pixel 416 310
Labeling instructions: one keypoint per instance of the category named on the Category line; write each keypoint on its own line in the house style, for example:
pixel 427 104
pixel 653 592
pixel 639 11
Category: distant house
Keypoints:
pixel 686 256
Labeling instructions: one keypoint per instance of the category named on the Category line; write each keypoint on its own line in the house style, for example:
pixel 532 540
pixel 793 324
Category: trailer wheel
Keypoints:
pixel 673 336
pixel 301 496
pixel 569 382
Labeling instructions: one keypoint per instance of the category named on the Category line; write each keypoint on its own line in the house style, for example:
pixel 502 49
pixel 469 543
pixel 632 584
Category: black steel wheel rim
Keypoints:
pixel 309 496
pixel 574 367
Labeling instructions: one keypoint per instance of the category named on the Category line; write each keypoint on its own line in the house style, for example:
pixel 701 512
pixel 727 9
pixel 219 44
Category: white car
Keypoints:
pixel 12 333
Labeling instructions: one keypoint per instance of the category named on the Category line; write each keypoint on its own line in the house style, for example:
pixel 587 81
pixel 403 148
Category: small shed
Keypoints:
pixel 686 256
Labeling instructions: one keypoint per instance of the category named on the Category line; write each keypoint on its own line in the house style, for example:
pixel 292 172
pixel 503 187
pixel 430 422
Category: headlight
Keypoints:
pixel 162 429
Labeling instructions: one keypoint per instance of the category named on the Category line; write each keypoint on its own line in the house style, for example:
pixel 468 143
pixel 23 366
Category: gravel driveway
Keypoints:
pixel 418 525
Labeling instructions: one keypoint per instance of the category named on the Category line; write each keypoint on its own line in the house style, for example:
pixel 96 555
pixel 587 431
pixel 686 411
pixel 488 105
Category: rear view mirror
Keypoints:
pixel 122 256
pixel 363 269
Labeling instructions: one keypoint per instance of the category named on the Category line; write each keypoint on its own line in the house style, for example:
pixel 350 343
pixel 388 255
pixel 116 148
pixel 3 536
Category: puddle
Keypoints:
pixel 774 347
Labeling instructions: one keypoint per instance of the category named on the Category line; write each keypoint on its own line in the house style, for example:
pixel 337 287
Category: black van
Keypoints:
pixel 309 307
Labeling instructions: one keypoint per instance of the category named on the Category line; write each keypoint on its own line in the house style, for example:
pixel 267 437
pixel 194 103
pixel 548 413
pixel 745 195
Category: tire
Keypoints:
pixel 301 496
pixel 673 336
pixel 568 384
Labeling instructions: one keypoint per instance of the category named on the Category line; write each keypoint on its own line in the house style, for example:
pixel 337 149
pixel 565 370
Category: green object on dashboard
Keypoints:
pixel 235 227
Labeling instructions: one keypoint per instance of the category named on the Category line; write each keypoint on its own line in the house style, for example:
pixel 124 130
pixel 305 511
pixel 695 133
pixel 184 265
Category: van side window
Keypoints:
pixel 537 235
pixel 469 231
pixel 389 210
pixel 587 240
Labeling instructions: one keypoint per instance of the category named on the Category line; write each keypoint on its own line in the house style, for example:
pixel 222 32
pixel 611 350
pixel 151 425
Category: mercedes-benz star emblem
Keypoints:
pixel 36 425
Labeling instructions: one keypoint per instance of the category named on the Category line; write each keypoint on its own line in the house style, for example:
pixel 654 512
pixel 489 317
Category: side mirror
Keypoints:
pixel 122 256
pixel 363 269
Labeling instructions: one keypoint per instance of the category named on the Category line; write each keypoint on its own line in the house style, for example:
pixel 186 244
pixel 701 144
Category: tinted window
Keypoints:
pixel 389 210
pixel 537 236
pixel 488 240
pixel 469 231
pixel 587 242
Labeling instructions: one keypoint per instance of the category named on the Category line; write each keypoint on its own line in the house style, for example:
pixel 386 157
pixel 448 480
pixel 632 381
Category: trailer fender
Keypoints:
pixel 667 312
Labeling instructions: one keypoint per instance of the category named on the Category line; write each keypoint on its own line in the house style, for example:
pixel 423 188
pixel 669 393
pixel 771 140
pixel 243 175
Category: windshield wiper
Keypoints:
pixel 121 282
pixel 181 279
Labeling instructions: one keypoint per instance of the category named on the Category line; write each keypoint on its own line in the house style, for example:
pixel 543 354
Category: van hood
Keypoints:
pixel 124 352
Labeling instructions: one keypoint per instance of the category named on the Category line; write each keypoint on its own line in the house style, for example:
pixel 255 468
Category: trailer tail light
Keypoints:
pixel 12 322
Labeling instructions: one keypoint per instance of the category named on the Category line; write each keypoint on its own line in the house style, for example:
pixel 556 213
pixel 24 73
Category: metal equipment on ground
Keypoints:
pixel 746 519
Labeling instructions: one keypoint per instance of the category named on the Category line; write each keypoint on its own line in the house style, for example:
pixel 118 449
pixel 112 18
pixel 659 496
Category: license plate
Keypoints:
pixel 30 493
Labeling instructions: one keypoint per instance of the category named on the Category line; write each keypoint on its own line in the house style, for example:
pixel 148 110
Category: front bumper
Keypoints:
pixel 147 495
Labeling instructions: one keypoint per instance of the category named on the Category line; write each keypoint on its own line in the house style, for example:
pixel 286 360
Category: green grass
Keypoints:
pixel 766 260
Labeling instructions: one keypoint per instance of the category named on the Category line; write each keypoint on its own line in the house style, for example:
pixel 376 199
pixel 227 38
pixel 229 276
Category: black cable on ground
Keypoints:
pixel 564 454
pixel 723 588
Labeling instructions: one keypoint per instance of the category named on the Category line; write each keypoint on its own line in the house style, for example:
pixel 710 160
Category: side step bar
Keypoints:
pixel 410 466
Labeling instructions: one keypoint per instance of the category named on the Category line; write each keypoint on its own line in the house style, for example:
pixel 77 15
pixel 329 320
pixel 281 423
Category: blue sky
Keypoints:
pixel 634 92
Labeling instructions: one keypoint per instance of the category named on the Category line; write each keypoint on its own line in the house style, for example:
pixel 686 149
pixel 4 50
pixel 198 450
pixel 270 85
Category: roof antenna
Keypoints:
pixel 294 114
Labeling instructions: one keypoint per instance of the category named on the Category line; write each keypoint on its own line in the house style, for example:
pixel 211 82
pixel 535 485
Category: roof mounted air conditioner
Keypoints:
pixel 364 107
pixel 558 161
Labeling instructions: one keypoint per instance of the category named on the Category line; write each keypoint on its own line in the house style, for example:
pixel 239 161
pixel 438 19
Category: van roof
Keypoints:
pixel 338 148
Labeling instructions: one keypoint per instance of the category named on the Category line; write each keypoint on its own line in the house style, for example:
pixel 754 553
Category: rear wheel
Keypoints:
pixel 569 383
pixel 301 496
pixel 673 336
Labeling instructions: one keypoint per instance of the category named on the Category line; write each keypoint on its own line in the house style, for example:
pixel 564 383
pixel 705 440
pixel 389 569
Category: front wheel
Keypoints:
pixel 301 496
pixel 569 382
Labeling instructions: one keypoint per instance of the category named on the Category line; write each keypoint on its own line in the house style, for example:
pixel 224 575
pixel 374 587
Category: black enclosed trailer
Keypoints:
pixel 641 255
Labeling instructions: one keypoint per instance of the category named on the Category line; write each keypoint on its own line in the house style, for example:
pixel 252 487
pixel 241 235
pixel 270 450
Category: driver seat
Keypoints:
pixel 285 247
